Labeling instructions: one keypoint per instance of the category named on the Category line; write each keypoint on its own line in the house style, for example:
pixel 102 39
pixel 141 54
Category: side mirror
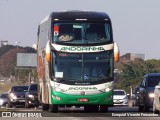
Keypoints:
pixel 48 52
pixel 116 52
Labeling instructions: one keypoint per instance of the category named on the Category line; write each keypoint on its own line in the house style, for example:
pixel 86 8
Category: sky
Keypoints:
pixel 136 23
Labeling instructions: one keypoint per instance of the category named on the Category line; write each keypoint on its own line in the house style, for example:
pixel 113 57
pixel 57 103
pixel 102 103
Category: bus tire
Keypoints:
pixel 53 108
pixel 45 107
pixel 103 108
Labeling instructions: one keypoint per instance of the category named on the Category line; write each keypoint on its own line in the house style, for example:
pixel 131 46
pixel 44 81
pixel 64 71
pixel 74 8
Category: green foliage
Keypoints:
pixel 5 49
pixel 133 72
pixel 8 56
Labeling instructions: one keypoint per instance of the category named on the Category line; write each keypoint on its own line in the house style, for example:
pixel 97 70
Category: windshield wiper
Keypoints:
pixel 96 77
pixel 99 77
pixel 68 79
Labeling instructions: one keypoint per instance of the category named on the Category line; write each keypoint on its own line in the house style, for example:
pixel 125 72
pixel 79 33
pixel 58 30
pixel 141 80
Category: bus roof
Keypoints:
pixel 79 15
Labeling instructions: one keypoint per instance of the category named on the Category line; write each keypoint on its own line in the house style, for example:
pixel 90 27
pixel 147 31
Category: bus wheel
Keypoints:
pixel 103 108
pixel 91 108
pixel 45 107
pixel 53 108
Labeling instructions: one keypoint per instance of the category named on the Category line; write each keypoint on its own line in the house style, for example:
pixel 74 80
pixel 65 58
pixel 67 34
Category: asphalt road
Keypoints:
pixel 114 113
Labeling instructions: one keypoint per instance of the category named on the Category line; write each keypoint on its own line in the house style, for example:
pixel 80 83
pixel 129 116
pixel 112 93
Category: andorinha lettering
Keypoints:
pixel 82 88
pixel 82 49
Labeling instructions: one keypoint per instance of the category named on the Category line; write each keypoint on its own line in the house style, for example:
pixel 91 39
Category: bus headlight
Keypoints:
pixel 151 95
pixel 108 89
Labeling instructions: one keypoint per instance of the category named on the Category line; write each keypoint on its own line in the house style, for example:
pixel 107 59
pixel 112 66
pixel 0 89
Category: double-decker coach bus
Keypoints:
pixel 76 55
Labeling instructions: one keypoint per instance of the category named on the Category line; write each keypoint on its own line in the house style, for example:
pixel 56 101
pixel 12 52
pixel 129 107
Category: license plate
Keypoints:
pixel 118 101
pixel 82 100
pixel 21 100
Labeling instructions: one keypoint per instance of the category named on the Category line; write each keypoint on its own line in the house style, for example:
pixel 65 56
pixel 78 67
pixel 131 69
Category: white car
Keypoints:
pixel 120 97
pixel 3 99
pixel 156 101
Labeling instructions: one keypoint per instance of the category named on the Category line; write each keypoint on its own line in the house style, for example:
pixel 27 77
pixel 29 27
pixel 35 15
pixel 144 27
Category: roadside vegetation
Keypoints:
pixel 132 72
pixel 9 74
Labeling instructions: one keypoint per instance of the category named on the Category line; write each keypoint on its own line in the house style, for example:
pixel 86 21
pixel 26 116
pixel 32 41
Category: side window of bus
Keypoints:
pixel 66 32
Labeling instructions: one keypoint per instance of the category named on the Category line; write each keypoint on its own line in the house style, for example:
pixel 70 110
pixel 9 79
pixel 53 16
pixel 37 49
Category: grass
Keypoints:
pixel 3 109
pixel 6 86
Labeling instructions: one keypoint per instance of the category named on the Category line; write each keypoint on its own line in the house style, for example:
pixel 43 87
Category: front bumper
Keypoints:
pixel 97 99
pixel 18 101
pixel 123 102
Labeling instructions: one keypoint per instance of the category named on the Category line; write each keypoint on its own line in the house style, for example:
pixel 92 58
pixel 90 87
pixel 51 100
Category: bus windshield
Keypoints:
pixel 83 66
pixel 82 33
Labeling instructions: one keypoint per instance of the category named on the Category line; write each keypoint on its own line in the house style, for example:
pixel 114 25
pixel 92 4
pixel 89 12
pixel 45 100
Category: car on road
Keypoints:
pixel 120 97
pixel 31 97
pixel 156 101
pixel 16 96
pixel 3 99
pixel 146 91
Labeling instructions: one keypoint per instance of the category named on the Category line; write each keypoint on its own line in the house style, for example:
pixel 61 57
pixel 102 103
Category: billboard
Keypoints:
pixel 26 60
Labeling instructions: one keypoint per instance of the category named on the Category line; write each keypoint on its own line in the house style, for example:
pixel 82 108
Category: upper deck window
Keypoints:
pixel 82 33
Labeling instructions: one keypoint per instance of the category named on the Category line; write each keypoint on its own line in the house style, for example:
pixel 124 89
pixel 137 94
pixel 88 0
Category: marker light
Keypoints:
pixel 48 52
pixel 116 52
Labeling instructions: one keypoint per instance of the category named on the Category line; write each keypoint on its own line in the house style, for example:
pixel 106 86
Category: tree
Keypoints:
pixel 133 72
